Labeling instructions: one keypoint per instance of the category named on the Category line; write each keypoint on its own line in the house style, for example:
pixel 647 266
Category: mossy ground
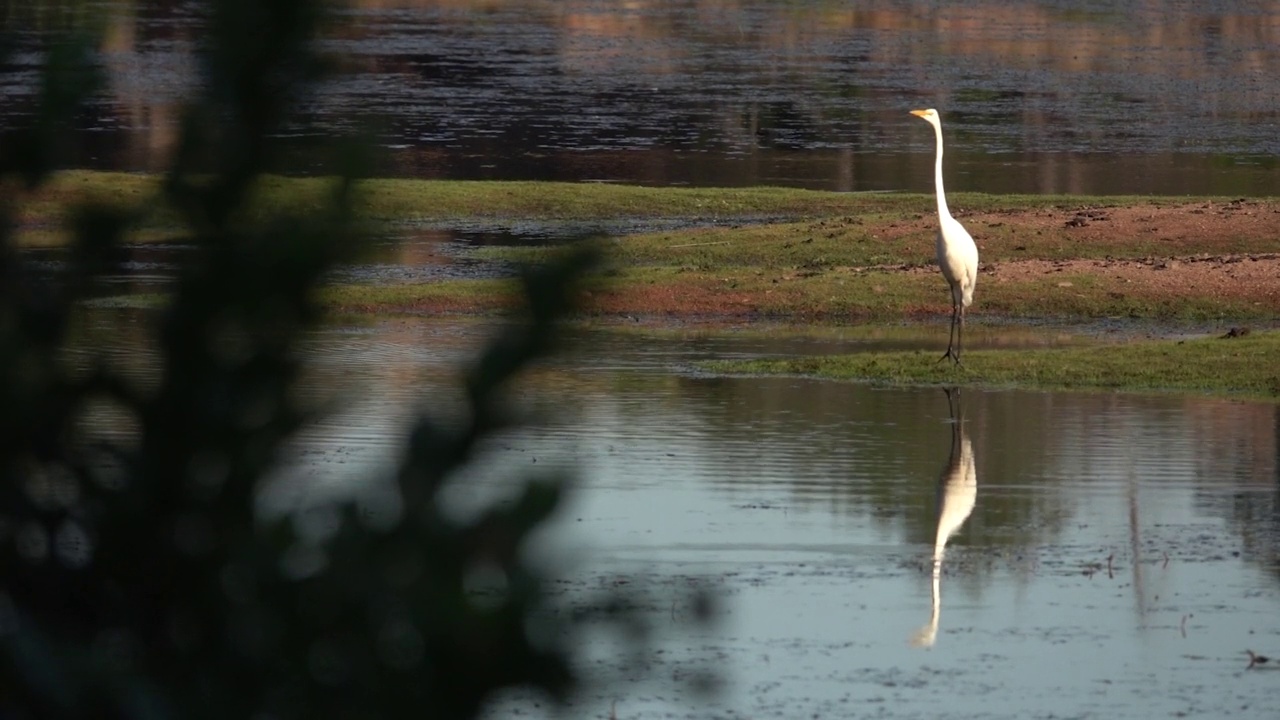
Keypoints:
pixel 798 258
pixel 1239 366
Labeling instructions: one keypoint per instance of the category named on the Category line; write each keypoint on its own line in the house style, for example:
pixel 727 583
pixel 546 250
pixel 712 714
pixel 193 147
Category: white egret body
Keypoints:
pixel 957 254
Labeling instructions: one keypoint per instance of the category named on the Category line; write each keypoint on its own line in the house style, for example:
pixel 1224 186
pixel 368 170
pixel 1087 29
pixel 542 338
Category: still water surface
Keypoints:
pixel 1113 555
pixel 1160 96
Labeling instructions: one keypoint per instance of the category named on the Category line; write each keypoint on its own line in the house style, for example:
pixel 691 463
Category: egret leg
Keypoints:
pixel 952 336
pixel 953 405
pixel 953 351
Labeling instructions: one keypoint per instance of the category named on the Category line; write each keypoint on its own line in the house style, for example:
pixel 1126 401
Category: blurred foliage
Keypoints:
pixel 135 579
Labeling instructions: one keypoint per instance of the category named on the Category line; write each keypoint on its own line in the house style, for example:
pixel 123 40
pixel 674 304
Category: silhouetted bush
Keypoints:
pixel 135 579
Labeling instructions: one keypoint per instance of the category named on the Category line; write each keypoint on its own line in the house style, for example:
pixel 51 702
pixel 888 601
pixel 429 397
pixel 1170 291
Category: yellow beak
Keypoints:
pixel 919 113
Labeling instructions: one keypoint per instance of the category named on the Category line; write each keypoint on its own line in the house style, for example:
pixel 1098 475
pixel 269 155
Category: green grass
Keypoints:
pixel 459 295
pixel 1244 367
pixel 797 257
pixel 409 199
pixel 790 254
pixel 401 199
pixel 838 295
pixel 845 294
pixel 419 200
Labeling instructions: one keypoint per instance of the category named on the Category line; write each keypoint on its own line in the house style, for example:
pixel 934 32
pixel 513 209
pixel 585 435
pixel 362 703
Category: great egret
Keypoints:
pixel 957 494
pixel 956 251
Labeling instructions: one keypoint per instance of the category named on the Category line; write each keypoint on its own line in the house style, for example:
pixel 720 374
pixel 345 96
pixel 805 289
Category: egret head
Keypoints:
pixel 930 115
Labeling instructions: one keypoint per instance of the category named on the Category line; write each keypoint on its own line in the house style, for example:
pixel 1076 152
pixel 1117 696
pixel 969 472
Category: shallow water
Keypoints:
pixel 1118 555
pixel 1164 97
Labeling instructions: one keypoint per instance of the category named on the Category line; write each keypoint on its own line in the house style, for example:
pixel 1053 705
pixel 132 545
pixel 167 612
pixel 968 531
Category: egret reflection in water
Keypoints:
pixel 957 493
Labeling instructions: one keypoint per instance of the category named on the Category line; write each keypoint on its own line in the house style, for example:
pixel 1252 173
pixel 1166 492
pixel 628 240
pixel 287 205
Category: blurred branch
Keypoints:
pixel 135 578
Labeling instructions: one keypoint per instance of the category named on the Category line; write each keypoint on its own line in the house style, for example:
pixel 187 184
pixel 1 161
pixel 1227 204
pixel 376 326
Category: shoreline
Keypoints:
pixel 788 261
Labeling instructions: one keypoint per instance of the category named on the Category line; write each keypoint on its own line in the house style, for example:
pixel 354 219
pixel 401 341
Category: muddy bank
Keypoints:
pixel 1202 261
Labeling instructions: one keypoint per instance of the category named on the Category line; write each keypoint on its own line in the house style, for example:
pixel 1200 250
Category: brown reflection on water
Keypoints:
pixel 151 120
pixel 1149 97
pixel 1240 441
pixel 861 451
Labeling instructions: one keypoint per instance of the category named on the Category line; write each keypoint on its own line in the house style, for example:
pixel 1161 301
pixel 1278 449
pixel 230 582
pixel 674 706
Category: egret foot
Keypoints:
pixel 955 356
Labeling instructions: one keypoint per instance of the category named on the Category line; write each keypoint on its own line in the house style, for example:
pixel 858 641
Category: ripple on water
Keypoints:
pixel 1120 553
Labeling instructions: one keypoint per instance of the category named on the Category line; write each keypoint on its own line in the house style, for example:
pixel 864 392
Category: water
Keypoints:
pixel 1163 97
pixel 1119 553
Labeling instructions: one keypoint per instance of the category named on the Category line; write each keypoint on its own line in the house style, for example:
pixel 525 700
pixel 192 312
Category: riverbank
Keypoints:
pixel 1237 363
pixel 796 259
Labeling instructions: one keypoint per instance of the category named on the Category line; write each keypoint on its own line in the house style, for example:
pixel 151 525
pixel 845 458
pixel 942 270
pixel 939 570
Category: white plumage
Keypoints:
pixel 956 252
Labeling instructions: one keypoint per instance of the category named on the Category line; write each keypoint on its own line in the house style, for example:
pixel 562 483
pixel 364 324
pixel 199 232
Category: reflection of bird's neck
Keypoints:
pixel 943 212
pixel 928 634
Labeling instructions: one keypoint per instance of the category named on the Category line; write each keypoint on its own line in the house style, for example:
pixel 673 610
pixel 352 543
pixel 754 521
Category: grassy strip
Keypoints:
pixel 425 199
pixel 846 215
pixel 1243 366
pixel 848 294
pixel 460 296
pixel 406 199
pixel 848 241
pixel 856 257
pixel 839 295
pixel 400 198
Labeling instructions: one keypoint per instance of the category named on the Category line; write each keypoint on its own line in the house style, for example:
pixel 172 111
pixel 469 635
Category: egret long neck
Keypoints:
pixel 937 174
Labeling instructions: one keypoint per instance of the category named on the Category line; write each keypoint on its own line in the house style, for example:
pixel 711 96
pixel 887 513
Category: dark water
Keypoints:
pixel 1097 554
pixel 1037 96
